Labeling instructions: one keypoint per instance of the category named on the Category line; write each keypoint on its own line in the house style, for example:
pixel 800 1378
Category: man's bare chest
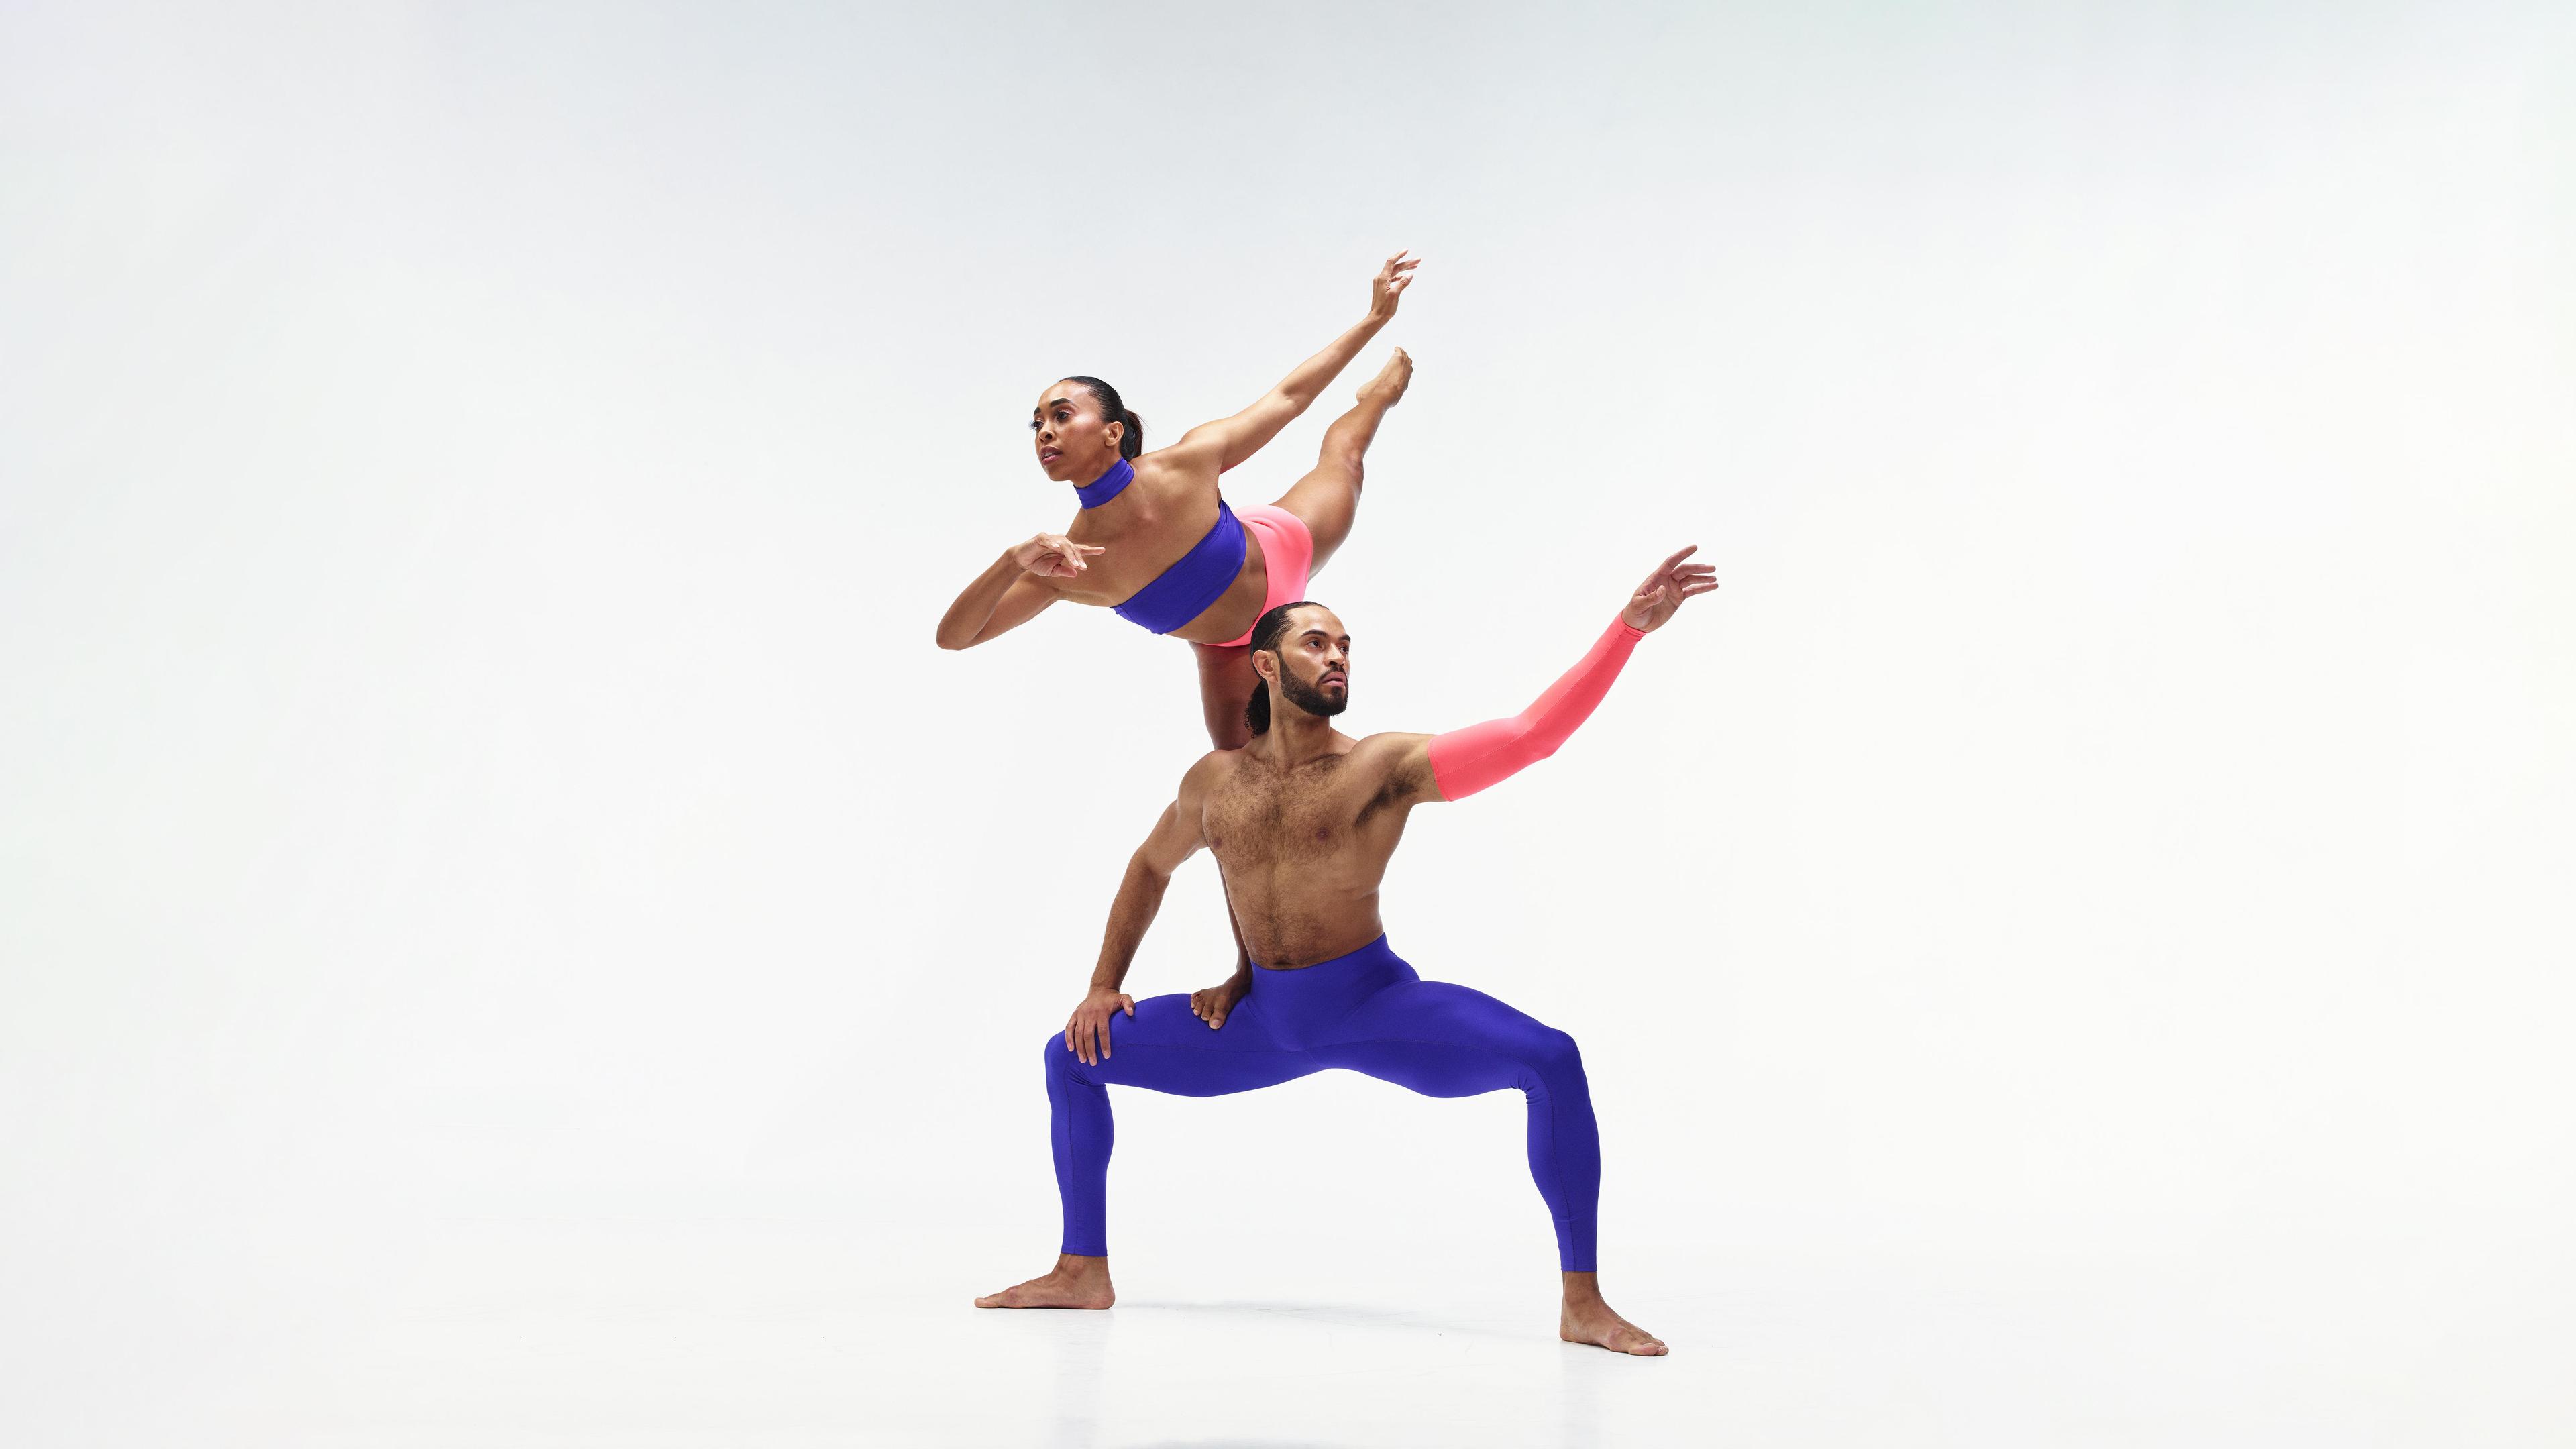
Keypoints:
pixel 1258 818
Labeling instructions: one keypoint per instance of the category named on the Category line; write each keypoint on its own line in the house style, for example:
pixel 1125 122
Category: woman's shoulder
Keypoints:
pixel 1192 460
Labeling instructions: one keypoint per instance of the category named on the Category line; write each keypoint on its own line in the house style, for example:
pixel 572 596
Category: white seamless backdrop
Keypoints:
pixel 511 933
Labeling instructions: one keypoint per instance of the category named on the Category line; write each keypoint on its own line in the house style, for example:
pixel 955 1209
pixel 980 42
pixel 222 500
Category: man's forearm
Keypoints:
pixel 1140 895
pixel 1466 761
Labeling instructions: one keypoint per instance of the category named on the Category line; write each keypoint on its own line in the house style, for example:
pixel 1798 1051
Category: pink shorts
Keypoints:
pixel 1287 554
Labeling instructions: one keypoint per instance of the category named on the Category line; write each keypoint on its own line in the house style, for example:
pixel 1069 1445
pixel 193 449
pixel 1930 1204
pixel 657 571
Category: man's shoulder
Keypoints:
pixel 1388 760
pixel 1377 751
pixel 1388 743
pixel 1212 767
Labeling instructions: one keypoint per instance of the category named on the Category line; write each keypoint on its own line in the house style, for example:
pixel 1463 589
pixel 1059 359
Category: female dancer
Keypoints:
pixel 1156 542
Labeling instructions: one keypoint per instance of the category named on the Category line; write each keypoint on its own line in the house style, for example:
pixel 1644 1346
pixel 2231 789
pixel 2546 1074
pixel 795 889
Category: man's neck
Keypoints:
pixel 1294 737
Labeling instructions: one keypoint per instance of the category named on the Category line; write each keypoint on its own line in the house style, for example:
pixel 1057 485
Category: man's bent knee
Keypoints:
pixel 1060 1060
pixel 1555 1056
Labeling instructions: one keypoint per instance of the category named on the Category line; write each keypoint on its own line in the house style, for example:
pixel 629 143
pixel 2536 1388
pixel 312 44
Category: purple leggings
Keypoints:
pixel 1366 1011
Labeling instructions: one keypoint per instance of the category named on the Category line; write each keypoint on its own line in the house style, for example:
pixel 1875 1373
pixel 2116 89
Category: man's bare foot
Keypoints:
pixel 1586 1319
pixel 1075 1283
pixel 1387 388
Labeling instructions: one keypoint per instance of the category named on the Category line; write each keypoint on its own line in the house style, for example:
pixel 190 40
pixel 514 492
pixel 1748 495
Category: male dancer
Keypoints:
pixel 1302 822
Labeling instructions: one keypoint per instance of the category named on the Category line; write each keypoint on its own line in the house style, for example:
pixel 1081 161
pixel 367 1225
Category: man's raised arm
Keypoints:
pixel 1462 762
pixel 1175 839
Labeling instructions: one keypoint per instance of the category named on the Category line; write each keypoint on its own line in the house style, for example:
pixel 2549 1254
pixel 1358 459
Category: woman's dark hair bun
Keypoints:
pixel 1131 442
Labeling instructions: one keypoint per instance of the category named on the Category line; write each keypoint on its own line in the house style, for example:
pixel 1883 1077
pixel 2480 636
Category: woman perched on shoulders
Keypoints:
pixel 1155 540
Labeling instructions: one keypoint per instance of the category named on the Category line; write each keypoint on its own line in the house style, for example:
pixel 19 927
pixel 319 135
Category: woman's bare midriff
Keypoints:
pixel 1239 608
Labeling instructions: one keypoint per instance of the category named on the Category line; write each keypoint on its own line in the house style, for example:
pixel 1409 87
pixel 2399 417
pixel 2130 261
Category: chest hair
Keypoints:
pixel 1258 819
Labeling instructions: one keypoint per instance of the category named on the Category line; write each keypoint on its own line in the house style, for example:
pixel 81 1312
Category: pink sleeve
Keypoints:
pixel 1466 761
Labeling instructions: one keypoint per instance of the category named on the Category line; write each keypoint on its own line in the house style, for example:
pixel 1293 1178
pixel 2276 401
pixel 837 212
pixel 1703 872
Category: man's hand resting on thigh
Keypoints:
pixel 1086 1032
pixel 1213 1004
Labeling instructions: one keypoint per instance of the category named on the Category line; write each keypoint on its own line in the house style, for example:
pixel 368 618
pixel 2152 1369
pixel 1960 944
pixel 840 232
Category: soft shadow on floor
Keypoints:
pixel 1338 1315
pixel 1234 1444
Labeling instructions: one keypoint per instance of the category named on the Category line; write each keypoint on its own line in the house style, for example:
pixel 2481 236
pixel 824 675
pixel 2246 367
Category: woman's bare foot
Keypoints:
pixel 1075 1283
pixel 1587 1319
pixel 1387 388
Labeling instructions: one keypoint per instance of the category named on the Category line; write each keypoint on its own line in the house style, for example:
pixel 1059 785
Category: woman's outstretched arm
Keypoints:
pixel 1229 441
pixel 1011 591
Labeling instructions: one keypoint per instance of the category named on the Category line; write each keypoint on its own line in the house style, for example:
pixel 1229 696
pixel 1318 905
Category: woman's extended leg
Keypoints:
pixel 1226 682
pixel 1298 533
pixel 1329 497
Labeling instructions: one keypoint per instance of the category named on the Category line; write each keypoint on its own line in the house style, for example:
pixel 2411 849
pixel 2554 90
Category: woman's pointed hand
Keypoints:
pixel 1389 284
pixel 1052 555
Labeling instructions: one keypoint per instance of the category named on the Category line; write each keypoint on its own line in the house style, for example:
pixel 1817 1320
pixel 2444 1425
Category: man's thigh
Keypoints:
pixel 1166 1048
pixel 1443 1040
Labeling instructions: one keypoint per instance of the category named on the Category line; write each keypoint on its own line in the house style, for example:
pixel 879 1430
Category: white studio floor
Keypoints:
pixel 702 1334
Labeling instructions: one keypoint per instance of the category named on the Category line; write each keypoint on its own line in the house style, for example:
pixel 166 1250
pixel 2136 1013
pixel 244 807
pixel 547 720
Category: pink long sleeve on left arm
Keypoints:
pixel 1466 761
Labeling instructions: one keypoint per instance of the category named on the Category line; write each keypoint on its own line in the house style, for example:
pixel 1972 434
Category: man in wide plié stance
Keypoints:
pixel 1302 822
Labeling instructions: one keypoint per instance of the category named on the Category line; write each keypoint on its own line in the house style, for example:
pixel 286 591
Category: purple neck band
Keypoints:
pixel 1107 486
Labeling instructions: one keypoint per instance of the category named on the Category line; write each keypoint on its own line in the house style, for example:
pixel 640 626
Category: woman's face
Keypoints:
pixel 1075 444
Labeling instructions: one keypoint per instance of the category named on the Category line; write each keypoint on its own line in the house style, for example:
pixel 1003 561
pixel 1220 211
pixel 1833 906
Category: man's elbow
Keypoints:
pixel 1532 741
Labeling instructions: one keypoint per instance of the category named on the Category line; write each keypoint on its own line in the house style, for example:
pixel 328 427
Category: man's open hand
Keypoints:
pixel 1086 1032
pixel 1661 595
